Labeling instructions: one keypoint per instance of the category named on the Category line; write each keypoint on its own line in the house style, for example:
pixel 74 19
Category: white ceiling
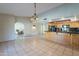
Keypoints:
pixel 25 9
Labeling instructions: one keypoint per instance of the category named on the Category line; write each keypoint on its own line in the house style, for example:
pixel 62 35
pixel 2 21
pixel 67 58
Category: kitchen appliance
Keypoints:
pixel 65 28
pixel 52 28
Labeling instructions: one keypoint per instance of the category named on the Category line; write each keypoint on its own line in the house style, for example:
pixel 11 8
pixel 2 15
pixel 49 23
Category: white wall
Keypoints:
pixel 65 10
pixel 6 28
pixel 7 31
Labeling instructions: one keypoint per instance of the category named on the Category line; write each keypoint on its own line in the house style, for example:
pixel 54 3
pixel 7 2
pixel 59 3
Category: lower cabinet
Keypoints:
pixel 55 37
pixel 48 35
pixel 60 37
pixel 63 38
pixel 75 40
pixel 67 39
pixel 52 36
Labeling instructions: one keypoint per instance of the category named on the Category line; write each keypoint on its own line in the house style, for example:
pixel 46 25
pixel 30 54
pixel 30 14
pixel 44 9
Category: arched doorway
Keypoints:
pixel 19 29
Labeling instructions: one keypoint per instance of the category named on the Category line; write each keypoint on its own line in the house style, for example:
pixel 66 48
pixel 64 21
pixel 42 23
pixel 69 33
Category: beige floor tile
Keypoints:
pixel 75 53
pixel 35 47
pixel 67 53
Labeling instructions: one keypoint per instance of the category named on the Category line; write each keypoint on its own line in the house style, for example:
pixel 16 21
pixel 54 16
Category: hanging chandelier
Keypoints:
pixel 34 17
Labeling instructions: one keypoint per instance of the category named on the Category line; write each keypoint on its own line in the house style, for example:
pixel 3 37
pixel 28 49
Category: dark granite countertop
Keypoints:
pixel 65 32
pixel 71 32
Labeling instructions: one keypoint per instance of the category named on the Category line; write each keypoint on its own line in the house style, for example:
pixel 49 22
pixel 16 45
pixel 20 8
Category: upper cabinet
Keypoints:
pixel 59 23
pixel 64 22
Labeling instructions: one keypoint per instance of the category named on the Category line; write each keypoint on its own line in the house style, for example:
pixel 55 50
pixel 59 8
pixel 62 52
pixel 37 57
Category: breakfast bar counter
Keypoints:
pixel 66 38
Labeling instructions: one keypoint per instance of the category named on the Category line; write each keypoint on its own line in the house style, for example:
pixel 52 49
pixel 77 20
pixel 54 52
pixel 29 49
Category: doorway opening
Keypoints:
pixel 19 29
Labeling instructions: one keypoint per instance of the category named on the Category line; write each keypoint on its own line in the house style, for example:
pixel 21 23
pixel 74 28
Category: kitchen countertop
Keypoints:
pixel 71 32
pixel 65 32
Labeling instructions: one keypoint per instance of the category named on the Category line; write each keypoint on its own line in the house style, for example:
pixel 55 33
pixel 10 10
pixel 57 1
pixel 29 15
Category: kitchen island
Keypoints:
pixel 70 39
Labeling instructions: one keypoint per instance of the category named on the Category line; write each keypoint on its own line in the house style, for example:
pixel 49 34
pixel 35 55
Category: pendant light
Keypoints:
pixel 34 17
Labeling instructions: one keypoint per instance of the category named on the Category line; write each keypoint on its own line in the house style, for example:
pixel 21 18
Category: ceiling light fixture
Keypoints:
pixel 34 17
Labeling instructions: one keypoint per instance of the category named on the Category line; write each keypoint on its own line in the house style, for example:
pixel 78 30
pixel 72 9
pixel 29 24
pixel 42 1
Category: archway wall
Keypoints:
pixel 7 29
pixel 27 25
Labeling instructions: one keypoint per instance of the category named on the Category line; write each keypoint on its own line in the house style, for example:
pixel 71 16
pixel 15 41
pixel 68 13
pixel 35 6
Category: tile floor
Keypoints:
pixel 35 46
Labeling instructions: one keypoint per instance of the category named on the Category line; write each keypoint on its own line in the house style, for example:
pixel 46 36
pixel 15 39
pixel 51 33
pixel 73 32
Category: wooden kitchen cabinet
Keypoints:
pixel 50 36
pixel 67 39
pixel 60 38
pixel 55 37
pixel 75 40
